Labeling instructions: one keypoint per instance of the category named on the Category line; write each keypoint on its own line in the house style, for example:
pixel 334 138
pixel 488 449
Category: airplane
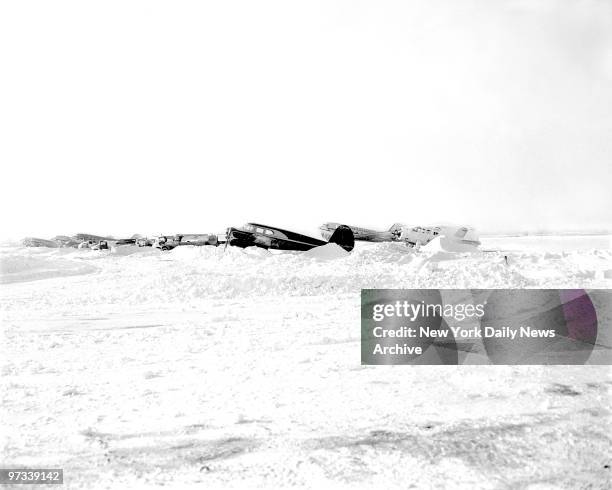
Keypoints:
pixel 55 242
pixel 101 245
pixel 86 237
pixel 126 241
pixel 145 242
pixel 170 242
pixel 270 237
pixel 452 238
pixel 66 241
pixel 39 242
pixel 391 235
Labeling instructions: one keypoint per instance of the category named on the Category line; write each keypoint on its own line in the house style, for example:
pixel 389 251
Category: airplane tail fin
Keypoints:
pixel 396 230
pixel 344 237
pixel 461 239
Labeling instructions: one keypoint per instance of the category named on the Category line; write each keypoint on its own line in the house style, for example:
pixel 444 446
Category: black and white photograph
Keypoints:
pixel 327 244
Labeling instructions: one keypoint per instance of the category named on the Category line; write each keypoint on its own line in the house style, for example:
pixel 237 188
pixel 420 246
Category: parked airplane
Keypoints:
pixel 145 242
pixel 66 241
pixel 391 235
pixel 166 242
pixel 55 242
pixel 101 245
pixel 199 239
pixel 270 237
pixel 452 238
pixel 39 242
pixel 86 237
pixel 126 241
pixel 170 242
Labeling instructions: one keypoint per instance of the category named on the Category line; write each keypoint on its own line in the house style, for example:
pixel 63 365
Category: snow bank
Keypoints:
pixel 451 244
pixel 241 368
pixel 21 268
pixel 193 274
pixel 327 252
pixel 125 249
pixel 256 252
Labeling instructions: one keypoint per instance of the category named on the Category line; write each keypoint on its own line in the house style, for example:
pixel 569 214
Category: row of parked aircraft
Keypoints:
pixel 452 238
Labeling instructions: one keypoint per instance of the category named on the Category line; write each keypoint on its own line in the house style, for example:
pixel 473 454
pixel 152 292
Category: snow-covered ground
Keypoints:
pixel 208 368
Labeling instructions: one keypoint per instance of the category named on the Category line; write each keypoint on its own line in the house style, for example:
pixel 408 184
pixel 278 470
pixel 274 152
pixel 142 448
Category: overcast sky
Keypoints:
pixel 165 117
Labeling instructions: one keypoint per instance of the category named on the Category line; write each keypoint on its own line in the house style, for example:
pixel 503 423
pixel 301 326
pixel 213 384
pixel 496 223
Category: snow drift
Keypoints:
pixel 210 367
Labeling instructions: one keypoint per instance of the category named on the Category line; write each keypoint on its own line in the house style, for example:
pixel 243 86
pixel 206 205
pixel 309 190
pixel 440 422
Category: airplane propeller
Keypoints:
pixel 226 239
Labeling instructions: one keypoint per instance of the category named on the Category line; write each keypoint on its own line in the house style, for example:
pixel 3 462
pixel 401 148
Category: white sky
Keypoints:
pixel 123 117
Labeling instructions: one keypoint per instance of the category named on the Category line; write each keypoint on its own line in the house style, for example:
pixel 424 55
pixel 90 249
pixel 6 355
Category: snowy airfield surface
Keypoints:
pixel 207 368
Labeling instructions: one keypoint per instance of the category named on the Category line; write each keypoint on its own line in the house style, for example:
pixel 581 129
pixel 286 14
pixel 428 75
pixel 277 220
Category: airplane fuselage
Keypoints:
pixel 452 237
pixel 363 234
pixel 268 237
pixel 256 235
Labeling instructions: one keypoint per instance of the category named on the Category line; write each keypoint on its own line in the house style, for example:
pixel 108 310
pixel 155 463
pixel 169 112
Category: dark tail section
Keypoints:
pixel 344 237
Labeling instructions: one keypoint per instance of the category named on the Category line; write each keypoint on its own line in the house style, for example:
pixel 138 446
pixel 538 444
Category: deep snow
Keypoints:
pixel 228 367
